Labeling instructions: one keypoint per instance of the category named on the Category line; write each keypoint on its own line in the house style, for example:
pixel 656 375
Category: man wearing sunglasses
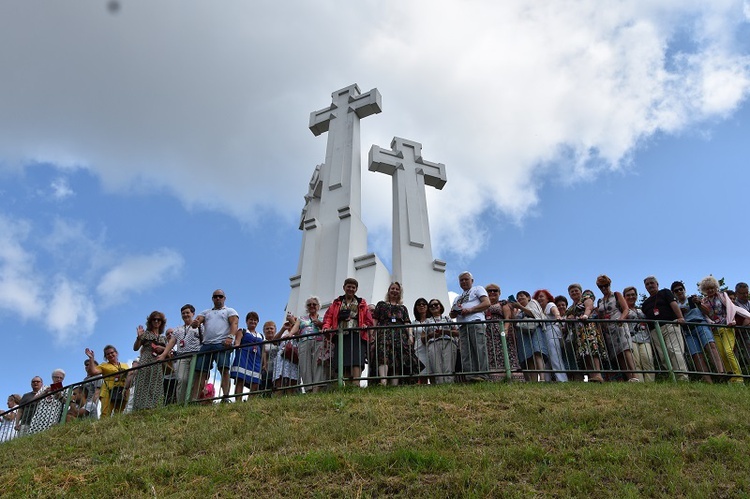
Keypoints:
pixel 26 412
pixel 220 332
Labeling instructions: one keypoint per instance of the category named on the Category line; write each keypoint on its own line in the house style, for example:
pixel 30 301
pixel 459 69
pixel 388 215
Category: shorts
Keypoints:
pixel 697 336
pixel 211 352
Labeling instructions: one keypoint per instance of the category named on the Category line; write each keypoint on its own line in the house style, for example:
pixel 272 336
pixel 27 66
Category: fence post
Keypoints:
pixel 506 357
pixel 340 355
pixel 665 353
pixel 68 397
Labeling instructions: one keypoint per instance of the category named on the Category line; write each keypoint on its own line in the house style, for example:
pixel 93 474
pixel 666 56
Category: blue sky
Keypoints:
pixel 151 156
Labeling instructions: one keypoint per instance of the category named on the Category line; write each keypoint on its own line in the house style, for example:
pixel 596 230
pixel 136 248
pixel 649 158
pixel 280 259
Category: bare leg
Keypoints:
pixel 594 365
pixel 199 379
pixel 225 381
pixel 539 365
pixel 239 387
pixel 701 366
pixel 383 372
pixel 627 359
pixel 713 354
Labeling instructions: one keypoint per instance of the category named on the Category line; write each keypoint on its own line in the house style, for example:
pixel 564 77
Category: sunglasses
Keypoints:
pixel 221 297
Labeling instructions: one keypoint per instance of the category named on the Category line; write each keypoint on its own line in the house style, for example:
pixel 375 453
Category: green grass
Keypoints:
pixel 518 440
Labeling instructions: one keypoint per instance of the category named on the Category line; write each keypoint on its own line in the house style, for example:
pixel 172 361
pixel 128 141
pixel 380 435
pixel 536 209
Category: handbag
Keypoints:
pixel 290 352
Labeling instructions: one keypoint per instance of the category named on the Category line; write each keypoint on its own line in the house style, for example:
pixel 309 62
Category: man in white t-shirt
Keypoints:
pixel 220 332
pixel 468 309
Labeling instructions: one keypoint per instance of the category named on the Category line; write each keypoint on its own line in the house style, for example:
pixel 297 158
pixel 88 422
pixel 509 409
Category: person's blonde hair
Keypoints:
pixel 400 292
pixel 708 282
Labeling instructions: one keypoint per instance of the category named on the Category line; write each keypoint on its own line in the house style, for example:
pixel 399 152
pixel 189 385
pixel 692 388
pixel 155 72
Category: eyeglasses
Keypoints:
pixel 157 319
pixel 421 304
pixel 602 286
pixel 311 304
pixel 220 297
pixel 493 290
pixel 35 381
pixel 57 377
pixel 434 305
pixel 678 290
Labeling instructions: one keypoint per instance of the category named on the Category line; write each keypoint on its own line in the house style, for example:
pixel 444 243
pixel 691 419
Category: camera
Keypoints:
pixel 344 314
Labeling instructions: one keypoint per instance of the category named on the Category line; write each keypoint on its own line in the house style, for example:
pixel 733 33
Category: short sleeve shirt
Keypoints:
pixel 216 323
pixel 187 339
pixel 468 299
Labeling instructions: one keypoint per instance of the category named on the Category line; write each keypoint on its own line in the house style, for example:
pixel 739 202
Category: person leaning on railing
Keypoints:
pixel 612 306
pixel 185 340
pixel 698 336
pixel 643 354
pixel 8 424
pixel 50 404
pixel 552 332
pixel 721 311
pixel 113 396
pixel 661 306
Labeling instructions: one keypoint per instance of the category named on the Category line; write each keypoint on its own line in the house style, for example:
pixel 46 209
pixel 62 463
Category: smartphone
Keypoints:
pixel 512 298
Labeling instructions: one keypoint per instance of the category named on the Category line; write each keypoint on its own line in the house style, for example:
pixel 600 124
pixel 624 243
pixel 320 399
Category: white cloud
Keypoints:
pixel 215 107
pixel 61 189
pixel 64 305
pixel 20 288
pixel 136 272
pixel 71 312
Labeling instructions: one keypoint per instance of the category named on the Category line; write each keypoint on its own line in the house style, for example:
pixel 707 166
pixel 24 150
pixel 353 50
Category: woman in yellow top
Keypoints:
pixel 113 396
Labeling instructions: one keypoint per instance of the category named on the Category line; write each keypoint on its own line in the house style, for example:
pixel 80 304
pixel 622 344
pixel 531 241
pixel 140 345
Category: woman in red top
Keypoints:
pixel 350 312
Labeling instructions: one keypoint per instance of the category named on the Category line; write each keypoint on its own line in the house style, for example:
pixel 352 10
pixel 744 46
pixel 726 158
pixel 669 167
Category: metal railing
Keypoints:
pixel 514 350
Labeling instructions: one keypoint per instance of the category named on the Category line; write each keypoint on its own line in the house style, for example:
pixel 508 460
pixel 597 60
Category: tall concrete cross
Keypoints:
pixel 335 239
pixel 413 264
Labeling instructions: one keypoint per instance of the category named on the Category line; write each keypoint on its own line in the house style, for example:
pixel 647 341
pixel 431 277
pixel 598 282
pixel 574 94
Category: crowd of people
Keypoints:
pixel 526 337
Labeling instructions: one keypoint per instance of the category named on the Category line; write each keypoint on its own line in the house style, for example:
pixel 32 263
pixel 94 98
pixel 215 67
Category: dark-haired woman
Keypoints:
pixel 247 363
pixel 612 306
pixel 589 342
pixel 149 385
pixel 350 312
pixel 421 315
pixel 499 310
pixel 442 343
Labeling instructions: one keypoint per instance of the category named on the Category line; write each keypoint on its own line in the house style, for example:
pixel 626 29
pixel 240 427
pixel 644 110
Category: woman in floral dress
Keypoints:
pixel 589 342
pixel 149 380
pixel 392 349
pixel 500 310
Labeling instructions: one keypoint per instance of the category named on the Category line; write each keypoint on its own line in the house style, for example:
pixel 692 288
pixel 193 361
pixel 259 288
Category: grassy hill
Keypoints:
pixel 517 440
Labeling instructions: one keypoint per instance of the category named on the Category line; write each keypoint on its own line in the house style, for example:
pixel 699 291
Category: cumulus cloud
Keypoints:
pixel 20 288
pixel 71 312
pixel 503 93
pixel 67 306
pixel 136 272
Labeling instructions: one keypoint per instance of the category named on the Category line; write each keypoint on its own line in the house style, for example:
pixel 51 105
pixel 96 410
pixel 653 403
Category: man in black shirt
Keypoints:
pixel 26 412
pixel 661 306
